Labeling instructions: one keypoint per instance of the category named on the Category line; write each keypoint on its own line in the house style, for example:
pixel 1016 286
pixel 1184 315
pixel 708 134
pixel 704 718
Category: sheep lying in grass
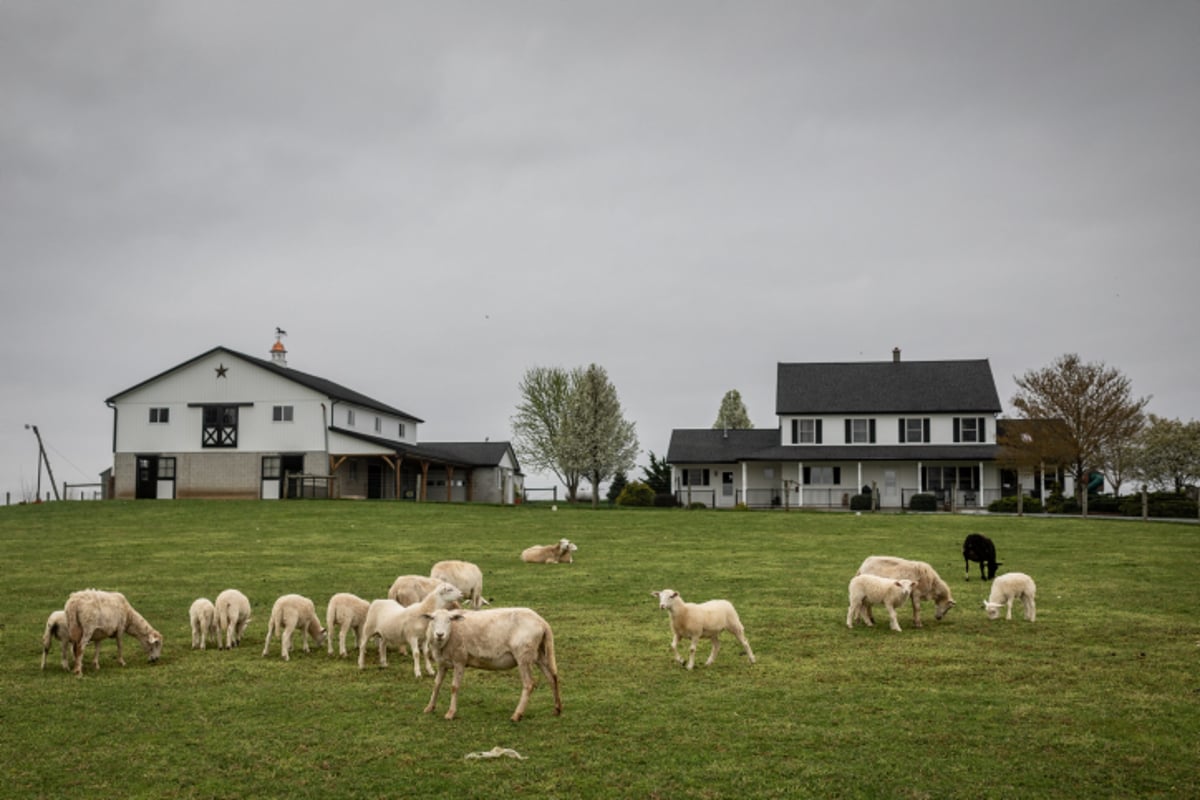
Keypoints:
pixel 493 639
pixel 233 615
pixel 203 618
pixel 405 625
pixel 292 611
pixel 550 553
pixel 347 612
pixel 93 615
pixel 1008 587
pixel 868 590
pixel 56 628
pixel 409 590
pixel 694 620
pixel 463 574
pixel 927 584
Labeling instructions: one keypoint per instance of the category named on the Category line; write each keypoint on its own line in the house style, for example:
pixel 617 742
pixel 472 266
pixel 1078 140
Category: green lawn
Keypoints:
pixel 1098 698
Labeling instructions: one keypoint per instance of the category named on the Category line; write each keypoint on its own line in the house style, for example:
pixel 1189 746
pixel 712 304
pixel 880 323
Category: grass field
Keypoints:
pixel 1099 698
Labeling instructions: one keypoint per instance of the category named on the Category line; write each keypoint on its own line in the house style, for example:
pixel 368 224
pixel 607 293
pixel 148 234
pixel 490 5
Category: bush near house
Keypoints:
pixel 923 502
pixel 637 494
pixel 860 502
pixel 1160 504
pixel 1008 505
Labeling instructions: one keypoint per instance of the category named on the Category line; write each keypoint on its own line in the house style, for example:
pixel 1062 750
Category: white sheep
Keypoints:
pixel 233 615
pixel 550 553
pixel 93 615
pixel 867 590
pixel 927 584
pixel 408 590
pixel 1008 587
pixel 694 620
pixel 493 639
pixel 203 619
pixel 463 574
pixel 291 612
pixel 347 612
pixel 405 625
pixel 56 628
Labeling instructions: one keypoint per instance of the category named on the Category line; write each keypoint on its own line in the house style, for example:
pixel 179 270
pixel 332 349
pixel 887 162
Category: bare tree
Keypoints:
pixel 1092 402
pixel 732 413
pixel 538 424
pixel 597 440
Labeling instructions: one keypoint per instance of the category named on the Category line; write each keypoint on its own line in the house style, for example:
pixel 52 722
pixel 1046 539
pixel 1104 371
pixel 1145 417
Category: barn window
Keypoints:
pixel 220 426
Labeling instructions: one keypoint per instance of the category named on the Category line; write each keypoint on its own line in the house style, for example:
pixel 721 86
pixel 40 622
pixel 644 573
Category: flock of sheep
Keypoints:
pixel 425 616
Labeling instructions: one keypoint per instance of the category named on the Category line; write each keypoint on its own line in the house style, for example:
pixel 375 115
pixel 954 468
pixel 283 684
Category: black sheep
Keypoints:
pixel 977 547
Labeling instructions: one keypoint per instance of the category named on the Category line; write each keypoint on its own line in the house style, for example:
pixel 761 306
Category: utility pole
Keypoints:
pixel 43 459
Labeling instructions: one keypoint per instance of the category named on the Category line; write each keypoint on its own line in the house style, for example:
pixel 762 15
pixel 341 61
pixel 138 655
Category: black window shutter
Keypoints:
pixel 847 431
pixel 818 431
pixel 795 431
pixel 956 432
pixel 808 475
pixel 925 425
pixel 705 478
pixel 837 476
pixel 903 422
pixel 982 429
pixel 871 435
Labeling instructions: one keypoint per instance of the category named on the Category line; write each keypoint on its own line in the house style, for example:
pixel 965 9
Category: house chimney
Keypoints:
pixel 895 355
pixel 278 351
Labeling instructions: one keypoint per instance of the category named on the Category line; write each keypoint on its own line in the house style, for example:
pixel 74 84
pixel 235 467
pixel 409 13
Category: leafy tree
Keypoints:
pixel 538 424
pixel 658 475
pixel 597 440
pixel 732 414
pixel 1119 462
pixel 636 494
pixel 1170 454
pixel 615 486
pixel 1092 403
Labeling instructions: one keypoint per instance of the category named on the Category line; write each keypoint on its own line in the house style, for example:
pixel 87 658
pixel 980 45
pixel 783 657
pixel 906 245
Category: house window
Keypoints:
pixel 401 430
pixel 378 425
pixel 350 417
pixel 282 413
pixel 220 426
pixel 946 478
pixel 160 415
pixel 822 476
pixel 970 429
pixel 166 467
pixel 860 431
pixel 806 431
pixel 695 477
pixel 914 430
pixel 272 467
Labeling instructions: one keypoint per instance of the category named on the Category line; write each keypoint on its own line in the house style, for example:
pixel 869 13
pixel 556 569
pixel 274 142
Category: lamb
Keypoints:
pixel 93 615
pixel 927 584
pixel 349 612
pixel 408 590
pixel 550 553
pixel 977 547
pixel 203 618
pixel 292 611
pixel 1008 587
pixel 463 574
pixel 56 628
pixel 493 639
pixel 694 620
pixel 233 615
pixel 405 625
pixel 866 590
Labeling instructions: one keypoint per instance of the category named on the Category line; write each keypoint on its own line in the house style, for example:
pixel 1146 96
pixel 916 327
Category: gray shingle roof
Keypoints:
pixel 466 454
pixel 886 387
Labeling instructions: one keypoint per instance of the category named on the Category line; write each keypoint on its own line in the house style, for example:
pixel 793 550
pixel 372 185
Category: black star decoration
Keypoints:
pixel 221 370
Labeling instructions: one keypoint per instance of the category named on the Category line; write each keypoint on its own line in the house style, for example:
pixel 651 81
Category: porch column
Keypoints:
pixel 423 493
pixel 979 491
pixel 449 483
pixel 745 488
pixel 799 484
pixel 858 485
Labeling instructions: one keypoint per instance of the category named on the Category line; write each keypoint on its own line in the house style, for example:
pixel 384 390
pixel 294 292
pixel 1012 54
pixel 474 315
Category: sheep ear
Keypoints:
pixel 654 594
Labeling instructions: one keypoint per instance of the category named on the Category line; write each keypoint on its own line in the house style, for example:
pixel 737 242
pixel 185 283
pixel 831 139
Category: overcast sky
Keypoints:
pixel 432 198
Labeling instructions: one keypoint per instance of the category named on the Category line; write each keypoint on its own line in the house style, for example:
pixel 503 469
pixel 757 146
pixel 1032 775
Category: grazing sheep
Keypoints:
pixel 203 618
pixel 977 547
pixel 463 574
pixel 409 590
pixel 56 628
pixel 493 639
pixel 927 584
pixel 233 615
pixel 1008 587
pixel 694 620
pixel 349 612
pixel 93 615
pixel 292 611
pixel 405 625
pixel 866 590
pixel 550 553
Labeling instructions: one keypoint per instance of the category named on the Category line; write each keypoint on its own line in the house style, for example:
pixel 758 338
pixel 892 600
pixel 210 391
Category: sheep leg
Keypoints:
pixel 851 613
pixel 120 654
pixel 864 613
pixel 1030 609
pixel 270 632
pixel 1009 604
pixel 454 684
pixel 526 690
pixel 552 679
pixel 916 604
pixel 716 646
pixel 414 644
pixel 691 662
pixel 437 686
pixel 675 648
pixel 382 652
pixel 895 623
pixel 362 651
pixel 285 642
pixel 741 637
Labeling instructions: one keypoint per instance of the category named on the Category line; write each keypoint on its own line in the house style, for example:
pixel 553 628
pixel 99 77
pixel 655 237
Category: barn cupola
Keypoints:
pixel 278 351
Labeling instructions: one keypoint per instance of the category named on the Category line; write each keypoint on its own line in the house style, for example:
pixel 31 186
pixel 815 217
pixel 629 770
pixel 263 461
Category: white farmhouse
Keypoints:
pixel 229 425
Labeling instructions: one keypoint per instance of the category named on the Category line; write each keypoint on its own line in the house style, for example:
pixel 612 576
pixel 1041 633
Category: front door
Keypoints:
pixel 147 478
pixel 374 481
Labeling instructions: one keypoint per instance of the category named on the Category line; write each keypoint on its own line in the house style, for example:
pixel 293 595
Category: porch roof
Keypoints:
pixel 459 454
pixel 707 446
